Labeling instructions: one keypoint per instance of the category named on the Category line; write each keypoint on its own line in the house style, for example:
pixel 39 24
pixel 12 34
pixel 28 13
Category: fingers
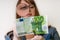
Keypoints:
pixel 38 38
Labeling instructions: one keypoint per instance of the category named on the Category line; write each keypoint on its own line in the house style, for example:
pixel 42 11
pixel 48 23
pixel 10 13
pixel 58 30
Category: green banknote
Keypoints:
pixel 32 25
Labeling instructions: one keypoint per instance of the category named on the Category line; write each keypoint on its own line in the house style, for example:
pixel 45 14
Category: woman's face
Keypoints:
pixel 25 9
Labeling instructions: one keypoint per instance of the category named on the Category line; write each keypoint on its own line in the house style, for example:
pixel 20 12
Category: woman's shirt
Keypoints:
pixel 52 35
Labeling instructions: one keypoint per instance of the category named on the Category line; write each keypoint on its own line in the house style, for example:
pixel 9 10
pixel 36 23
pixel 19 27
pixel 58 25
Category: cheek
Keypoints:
pixel 33 12
pixel 21 13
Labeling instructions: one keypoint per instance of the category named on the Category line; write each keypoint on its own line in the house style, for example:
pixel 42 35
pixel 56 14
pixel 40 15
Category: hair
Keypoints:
pixel 30 2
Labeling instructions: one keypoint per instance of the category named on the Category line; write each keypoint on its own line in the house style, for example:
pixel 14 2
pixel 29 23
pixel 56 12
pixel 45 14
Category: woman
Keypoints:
pixel 27 8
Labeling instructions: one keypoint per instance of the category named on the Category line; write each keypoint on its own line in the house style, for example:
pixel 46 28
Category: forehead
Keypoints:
pixel 24 2
pixel 28 2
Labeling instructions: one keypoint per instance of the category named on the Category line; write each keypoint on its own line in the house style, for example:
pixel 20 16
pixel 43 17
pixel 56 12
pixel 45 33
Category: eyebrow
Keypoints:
pixel 23 4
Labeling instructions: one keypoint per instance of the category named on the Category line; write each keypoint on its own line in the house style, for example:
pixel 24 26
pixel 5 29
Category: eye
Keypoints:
pixel 23 8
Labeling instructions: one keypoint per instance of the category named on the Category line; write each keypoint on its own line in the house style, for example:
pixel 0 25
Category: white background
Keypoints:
pixel 51 8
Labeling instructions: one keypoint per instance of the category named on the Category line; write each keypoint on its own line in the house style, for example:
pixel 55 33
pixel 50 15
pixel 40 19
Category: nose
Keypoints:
pixel 29 10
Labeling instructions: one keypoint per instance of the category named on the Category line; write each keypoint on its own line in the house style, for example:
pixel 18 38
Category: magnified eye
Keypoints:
pixel 24 7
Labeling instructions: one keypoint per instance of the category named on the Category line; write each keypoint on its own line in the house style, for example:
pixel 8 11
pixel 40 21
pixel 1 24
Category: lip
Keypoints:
pixel 29 14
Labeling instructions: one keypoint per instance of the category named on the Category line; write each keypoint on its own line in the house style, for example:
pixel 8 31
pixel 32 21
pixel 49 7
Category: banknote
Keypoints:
pixel 32 25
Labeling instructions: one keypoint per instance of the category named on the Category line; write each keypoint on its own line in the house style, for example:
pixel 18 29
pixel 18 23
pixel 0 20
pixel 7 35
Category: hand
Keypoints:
pixel 37 38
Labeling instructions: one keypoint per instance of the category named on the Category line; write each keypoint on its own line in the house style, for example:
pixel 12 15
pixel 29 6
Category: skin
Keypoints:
pixel 26 10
